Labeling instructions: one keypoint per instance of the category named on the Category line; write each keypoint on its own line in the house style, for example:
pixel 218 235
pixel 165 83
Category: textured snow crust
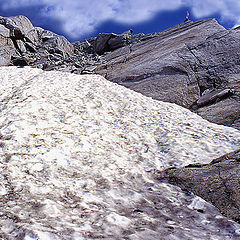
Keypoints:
pixel 78 156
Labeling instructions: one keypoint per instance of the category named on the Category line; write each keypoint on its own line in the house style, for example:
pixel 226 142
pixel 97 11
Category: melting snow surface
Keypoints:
pixel 78 155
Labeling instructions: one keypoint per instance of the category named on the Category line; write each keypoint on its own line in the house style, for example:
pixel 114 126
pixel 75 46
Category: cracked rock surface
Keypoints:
pixel 79 156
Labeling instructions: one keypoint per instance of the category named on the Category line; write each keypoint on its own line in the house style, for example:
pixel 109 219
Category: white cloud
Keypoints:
pixel 227 9
pixel 81 17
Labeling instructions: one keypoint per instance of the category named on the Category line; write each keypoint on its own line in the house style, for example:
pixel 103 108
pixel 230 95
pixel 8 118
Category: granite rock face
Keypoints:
pixel 216 182
pixel 17 33
pixel 179 64
pixel 79 156
pixel 154 68
pixel 12 35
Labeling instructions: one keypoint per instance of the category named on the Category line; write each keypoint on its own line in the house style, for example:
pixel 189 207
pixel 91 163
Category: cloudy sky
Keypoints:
pixel 81 19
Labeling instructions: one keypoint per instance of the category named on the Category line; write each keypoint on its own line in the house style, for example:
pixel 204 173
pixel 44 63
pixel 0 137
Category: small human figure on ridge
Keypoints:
pixel 187 17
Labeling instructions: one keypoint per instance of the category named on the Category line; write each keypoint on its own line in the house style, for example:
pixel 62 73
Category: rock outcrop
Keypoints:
pixel 22 44
pixel 210 96
pixel 179 64
pixel 79 156
pixel 216 182
pixel 107 42
pixel 18 36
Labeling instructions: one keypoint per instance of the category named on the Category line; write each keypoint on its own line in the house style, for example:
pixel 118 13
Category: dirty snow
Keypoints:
pixel 78 156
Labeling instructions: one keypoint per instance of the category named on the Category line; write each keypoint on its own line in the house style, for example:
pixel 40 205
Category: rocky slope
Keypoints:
pixel 193 64
pixel 106 144
pixel 79 156
pixel 182 64
pixel 21 44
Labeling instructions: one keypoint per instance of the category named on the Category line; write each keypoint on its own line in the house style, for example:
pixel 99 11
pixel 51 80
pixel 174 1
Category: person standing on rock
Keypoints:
pixel 187 17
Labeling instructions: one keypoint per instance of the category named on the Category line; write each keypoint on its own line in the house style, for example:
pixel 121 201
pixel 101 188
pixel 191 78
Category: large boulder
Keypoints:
pixel 210 96
pixel 77 157
pixel 179 64
pixel 101 43
pixel 107 42
pixel 17 35
pixel 7 48
pixel 120 40
pixel 55 43
pixel 20 31
pixel 22 28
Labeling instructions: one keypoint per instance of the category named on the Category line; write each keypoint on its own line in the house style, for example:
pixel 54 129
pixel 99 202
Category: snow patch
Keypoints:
pixel 79 154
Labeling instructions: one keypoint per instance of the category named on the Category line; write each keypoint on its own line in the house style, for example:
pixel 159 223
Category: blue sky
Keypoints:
pixel 82 19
